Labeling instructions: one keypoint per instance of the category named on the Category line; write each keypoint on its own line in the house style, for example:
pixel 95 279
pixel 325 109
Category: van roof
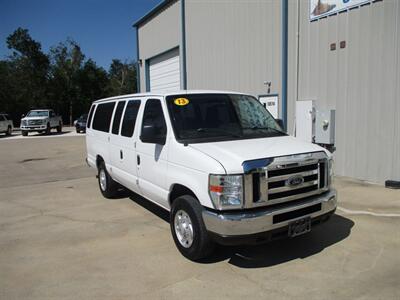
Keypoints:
pixel 164 94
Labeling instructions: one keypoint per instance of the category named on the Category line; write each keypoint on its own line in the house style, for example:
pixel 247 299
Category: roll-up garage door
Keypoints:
pixel 164 73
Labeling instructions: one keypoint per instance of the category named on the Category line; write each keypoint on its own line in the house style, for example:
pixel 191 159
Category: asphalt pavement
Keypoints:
pixel 60 239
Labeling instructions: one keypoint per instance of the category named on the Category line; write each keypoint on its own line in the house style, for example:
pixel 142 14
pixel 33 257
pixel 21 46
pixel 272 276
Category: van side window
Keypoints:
pixel 153 115
pixel 131 112
pixel 102 117
pixel 117 117
pixel 89 120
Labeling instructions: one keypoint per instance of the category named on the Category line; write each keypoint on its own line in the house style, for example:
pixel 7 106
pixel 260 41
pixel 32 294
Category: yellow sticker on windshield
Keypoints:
pixel 181 101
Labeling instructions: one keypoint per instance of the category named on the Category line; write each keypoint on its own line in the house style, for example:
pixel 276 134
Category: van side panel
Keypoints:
pixel 98 141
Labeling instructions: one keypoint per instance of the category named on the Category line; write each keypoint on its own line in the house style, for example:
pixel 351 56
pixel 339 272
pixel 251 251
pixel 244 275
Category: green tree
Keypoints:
pixel 24 75
pixel 66 61
pixel 62 79
pixel 122 77
pixel 93 82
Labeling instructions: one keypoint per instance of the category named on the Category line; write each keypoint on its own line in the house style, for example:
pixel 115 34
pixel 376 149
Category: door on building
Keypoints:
pixel 164 72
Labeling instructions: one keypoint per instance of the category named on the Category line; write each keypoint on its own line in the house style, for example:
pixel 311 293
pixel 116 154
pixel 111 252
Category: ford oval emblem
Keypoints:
pixel 295 180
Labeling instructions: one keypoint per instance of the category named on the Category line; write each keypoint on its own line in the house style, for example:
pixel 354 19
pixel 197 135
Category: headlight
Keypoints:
pixel 226 191
pixel 23 122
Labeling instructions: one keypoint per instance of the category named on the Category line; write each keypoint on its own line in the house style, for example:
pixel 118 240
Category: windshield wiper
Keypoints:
pixel 218 130
pixel 265 128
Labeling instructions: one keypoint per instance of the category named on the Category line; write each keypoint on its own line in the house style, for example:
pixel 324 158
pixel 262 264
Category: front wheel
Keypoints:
pixel 48 129
pixel 188 229
pixel 59 128
pixel 9 131
pixel 108 187
pixel 24 133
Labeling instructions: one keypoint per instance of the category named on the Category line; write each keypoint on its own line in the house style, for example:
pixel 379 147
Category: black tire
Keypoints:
pixel 111 187
pixel 202 245
pixel 24 133
pixel 59 128
pixel 77 130
pixel 9 131
pixel 48 129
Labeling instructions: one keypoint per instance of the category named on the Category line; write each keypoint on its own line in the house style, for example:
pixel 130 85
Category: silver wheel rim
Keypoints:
pixel 103 180
pixel 183 228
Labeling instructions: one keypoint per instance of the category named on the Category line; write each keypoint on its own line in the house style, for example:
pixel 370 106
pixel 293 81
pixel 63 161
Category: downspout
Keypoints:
pixel 137 62
pixel 284 60
pixel 182 48
pixel 297 61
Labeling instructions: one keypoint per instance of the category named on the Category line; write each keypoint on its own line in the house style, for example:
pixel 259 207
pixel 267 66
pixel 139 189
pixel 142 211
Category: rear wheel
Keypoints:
pixel 24 133
pixel 9 131
pixel 107 185
pixel 188 229
pixel 59 127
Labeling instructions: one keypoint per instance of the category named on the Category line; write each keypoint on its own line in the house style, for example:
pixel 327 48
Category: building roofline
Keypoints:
pixel 152 12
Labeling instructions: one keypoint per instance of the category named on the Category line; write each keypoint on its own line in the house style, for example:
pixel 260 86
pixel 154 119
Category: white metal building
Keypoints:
pixel 344 55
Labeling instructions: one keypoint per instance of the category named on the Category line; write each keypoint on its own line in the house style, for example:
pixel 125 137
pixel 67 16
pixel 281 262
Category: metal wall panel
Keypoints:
pixel 233 45
pixel 360 81
pixel 159 34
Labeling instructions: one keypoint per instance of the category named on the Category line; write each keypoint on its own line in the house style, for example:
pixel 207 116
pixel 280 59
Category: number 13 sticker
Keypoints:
pixel 181 101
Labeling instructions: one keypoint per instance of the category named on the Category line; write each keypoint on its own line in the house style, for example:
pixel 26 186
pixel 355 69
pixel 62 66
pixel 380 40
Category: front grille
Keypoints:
pixel 35 122
pixel 289 178
pixel 311 177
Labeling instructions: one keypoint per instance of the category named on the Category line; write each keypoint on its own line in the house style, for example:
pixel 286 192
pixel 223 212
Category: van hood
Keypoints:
pixel 231 154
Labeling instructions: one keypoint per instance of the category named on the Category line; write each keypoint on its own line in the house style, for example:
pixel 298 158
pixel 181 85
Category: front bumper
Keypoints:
pixel 33 127
pixel 231 224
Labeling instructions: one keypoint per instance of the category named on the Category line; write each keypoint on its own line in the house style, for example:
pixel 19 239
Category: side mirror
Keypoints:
pixel 280 123
pixel 22 116
pixel 153 135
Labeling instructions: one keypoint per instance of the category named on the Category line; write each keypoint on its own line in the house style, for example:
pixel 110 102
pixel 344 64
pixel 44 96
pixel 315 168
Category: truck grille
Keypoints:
pixel 279 182
pixel 35 122
pixel 288 178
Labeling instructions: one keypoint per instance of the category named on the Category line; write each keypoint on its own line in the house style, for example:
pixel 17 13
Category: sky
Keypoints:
pixel 103 28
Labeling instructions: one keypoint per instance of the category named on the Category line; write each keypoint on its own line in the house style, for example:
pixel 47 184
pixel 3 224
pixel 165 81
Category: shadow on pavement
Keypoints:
pixel 336 229
pixel 277 252
pixel 52 133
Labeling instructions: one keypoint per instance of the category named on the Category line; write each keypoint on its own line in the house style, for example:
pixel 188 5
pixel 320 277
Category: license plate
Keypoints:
pixel 299 227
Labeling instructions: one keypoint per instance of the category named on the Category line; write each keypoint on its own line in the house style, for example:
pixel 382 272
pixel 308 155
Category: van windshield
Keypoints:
pixel 200 118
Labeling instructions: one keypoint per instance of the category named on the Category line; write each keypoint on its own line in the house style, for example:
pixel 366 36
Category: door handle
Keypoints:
pixel 121 154
pixel 138 159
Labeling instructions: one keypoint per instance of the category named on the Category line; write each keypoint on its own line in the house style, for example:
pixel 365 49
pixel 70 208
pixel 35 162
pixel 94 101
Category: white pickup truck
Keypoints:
pixel 40 120
pixel 217 161
pixel 6 124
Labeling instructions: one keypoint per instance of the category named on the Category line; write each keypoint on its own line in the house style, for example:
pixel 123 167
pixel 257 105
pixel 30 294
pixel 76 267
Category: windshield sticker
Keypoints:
pixel 181 101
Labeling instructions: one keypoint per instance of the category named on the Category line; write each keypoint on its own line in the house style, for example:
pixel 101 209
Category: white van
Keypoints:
pixel 217 161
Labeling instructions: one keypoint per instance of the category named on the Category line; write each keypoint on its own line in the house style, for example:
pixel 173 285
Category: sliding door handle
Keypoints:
pixel 138 159
pixel 121 154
